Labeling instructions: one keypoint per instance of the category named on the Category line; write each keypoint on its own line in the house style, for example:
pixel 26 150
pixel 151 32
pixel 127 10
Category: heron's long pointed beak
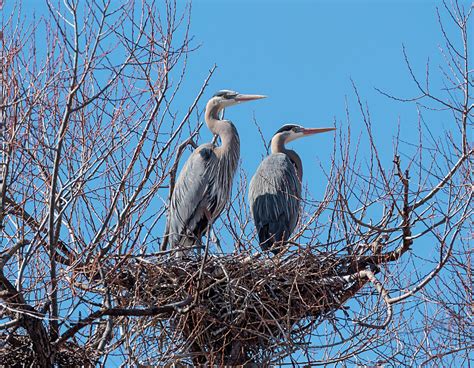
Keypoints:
pixel 245 98
pixel 309 131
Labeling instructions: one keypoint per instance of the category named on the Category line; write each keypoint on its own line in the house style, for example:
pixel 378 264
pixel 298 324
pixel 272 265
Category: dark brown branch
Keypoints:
pixel 123 312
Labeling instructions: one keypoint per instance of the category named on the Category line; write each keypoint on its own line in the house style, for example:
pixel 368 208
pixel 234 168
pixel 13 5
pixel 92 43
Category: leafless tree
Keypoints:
pixel 90 150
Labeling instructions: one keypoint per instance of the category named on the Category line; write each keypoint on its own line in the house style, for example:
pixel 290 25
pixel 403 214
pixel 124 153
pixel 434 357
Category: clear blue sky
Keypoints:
pixel 302 54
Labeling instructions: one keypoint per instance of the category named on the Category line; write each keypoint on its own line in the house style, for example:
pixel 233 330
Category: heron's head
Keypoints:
pixel 226 98
pixel 290 132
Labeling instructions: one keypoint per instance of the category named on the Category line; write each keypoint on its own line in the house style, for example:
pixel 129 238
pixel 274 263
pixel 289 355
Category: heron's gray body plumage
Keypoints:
pixel 274 196
pixel 202 190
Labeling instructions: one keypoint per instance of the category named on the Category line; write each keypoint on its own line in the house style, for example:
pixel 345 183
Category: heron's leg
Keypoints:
pixel 216 240
pixel 208 232
pixel 198 244
pixel 208 238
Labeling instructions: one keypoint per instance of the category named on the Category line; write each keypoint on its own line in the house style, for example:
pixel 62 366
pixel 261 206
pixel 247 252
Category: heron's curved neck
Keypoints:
pixel 278 146
pixel 223 128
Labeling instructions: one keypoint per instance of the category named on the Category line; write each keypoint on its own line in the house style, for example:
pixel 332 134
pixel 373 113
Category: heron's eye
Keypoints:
pixel 294 129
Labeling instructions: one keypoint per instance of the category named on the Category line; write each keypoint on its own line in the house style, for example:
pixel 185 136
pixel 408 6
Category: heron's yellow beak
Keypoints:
pixel 309 131
pixel 245 98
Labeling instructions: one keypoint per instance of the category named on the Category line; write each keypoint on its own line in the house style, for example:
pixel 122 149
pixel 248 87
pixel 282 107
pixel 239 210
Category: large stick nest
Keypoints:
pixel 234 309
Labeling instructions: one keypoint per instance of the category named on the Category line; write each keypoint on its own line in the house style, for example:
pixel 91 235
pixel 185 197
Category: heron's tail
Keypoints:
pixel 271 241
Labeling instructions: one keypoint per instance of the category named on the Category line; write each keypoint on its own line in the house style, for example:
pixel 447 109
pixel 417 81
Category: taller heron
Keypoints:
pixel 205 182
pixel 275 189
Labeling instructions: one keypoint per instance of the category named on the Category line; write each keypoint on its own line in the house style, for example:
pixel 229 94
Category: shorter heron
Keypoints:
pixel 275 189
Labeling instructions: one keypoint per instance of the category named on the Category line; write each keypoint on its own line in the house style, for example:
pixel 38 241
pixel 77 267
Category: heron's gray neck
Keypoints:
pixel 278 146
pixel 223 128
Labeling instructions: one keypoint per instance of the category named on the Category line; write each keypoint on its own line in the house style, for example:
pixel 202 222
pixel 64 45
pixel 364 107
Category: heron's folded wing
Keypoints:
pixel 189 198
pixel 274 195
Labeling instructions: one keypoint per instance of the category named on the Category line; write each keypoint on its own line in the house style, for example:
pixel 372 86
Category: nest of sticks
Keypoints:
pixel 237 309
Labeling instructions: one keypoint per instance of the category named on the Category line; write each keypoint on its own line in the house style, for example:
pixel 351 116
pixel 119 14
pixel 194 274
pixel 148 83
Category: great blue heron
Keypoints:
pixel 275 189
pixel 205 182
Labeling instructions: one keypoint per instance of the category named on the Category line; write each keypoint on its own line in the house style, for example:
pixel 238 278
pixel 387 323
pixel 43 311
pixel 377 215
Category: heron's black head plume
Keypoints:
pixel 287 128
pixel 225 93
